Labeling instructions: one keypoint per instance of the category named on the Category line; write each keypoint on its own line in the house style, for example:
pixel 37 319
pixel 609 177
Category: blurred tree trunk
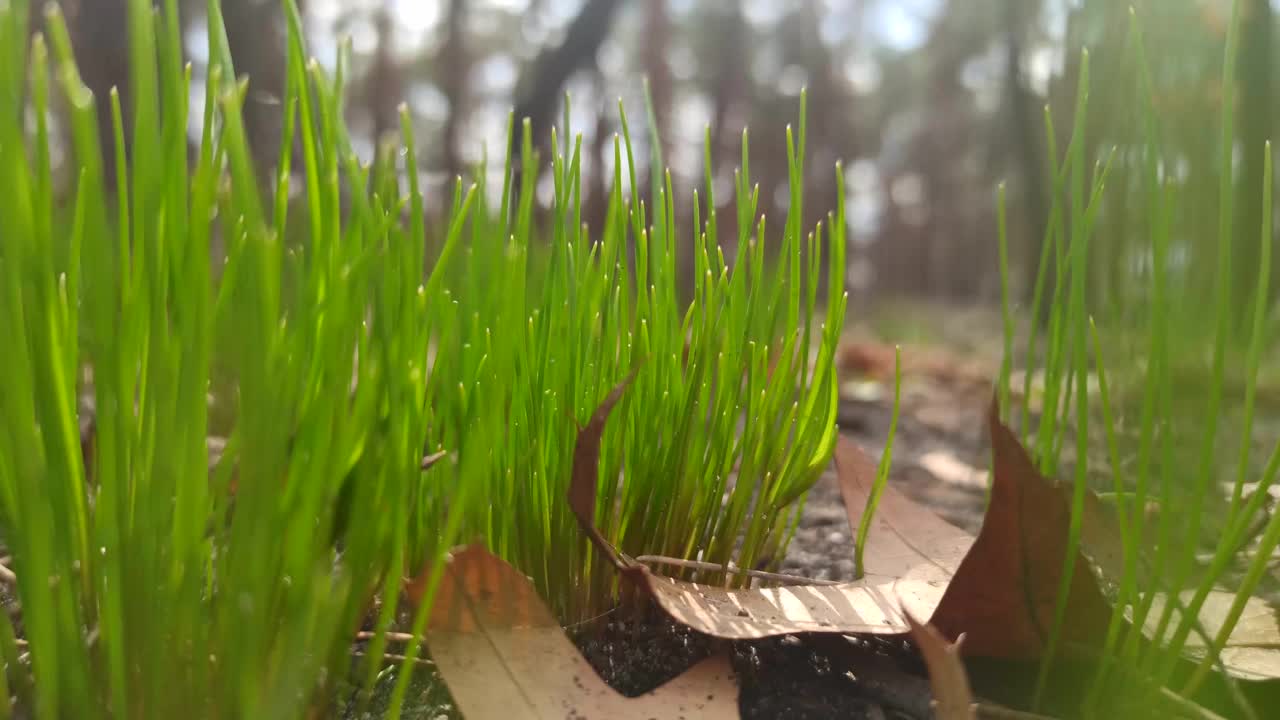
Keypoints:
pixel 1111 120
pixel 450 68
pixel 657 28
pixel 384 89
pixel 730 88
pixel 594 205
pixel 255 34
pixel 1257 124
pixel 957 252
pixel 831 131
pixel 541 87
pixel 1025 121
pixel 731 82
pixel 99 29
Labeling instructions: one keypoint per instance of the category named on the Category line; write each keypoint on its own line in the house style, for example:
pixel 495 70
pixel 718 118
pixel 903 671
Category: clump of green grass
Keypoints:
pixel 731 414
pixel 150 586
pixel 1166 325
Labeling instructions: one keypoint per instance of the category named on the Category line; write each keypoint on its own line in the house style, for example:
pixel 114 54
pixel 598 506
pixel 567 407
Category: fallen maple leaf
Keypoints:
pixel 503 655
pixel 952 698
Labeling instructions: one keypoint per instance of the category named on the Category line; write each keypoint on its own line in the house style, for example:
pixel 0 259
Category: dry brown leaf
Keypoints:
pixel 503 655
pixel 877 360
pixel 952 470
pixel 1252 651
pixel 910 556
pixel 952 698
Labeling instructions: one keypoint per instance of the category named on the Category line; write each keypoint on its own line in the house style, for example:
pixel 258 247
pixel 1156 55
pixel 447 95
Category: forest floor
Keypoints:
pixel 940 454
pixel 940 459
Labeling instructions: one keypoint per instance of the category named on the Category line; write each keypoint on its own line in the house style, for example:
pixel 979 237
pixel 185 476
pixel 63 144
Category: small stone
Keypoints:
pixel 825 515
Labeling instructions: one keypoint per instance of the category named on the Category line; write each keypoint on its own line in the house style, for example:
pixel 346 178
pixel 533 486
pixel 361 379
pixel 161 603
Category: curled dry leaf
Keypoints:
pixel 503 655
pixel 952 698
pixel 586 468
pixel 911 554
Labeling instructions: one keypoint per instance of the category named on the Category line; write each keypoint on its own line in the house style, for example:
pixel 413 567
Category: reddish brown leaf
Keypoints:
pixel 503 655
pixel 586 469
pixel 1004 592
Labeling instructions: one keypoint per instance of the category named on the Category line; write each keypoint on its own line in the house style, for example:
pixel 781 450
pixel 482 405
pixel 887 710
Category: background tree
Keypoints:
pixel 929 103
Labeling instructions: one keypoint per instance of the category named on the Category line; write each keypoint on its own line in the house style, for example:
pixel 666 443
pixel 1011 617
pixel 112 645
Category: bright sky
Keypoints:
pixel 904 24
pixel 900 24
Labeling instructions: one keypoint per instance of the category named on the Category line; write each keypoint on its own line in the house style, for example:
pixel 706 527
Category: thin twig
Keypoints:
pixel 590 620
pixel 986 711
pixel 1188 706
pixel 401 637
pixel 398 658
pixel 734 570
pixel 390 636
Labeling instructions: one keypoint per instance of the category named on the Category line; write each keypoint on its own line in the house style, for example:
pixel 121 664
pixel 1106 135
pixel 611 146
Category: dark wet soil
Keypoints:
pixel 793 677
pixel 818 677
pixel 635 655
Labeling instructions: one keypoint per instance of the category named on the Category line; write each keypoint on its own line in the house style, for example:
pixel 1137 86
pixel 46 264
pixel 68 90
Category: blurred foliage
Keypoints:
pixel 929 103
